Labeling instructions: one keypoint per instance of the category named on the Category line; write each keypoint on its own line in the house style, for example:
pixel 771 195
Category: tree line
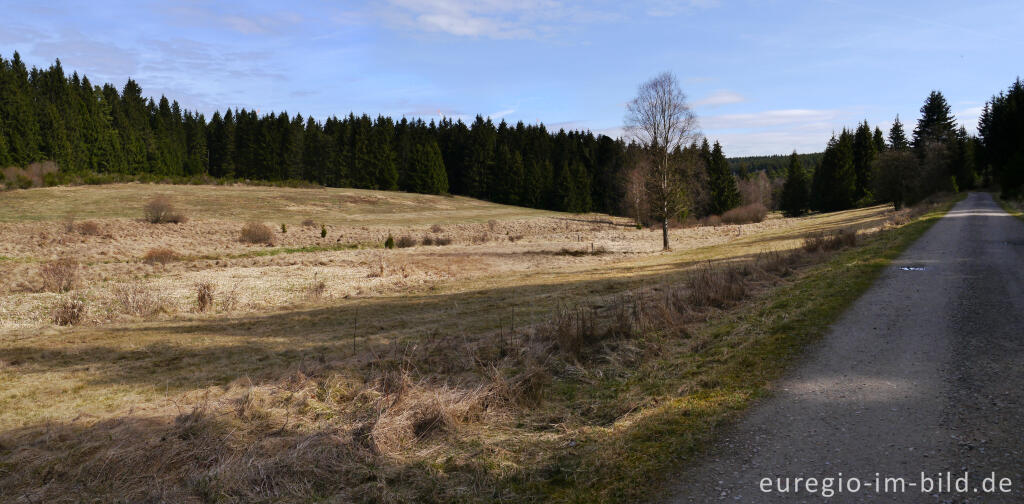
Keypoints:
pixel 863 166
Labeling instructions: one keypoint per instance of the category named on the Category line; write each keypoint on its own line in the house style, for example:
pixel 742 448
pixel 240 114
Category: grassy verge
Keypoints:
pixel 1012 207
pixel 742 353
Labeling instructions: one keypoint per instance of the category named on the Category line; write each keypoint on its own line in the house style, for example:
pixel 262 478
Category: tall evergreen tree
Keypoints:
pixel 878 139
pixel 936 124
pixel 897 137
pixel 795 199
pixel 864 152
pixel 724 194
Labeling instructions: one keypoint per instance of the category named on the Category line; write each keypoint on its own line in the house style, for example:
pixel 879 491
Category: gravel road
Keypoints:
pixel 924 373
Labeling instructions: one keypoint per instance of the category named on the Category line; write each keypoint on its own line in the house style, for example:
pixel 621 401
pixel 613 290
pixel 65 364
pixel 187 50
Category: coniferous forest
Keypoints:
pixel 90 130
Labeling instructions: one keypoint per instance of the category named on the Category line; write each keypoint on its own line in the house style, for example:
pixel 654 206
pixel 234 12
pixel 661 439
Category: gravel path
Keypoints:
pixel 924 373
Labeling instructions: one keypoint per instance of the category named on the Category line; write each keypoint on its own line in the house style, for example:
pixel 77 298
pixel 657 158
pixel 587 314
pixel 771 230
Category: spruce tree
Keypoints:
pixel 864 152
pixel 879 140
pixel 897 137
pixel 936 124
pixel 724 194
pixel 795 200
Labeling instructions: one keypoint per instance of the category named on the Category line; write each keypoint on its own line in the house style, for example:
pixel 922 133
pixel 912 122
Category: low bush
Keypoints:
pixel 88 228
pixel 829 242
pixel 60 275
pixel 135 298
pixel 160 210
pixel 747 214
pixel 405 242
pixel 390 242
pixel 160 255
pixel 204 296
pixel 256 232
pixel 716 287
pixel 69 311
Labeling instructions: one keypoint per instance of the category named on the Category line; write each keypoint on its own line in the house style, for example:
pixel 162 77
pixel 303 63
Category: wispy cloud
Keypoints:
pixel 768 118
pixel 718 98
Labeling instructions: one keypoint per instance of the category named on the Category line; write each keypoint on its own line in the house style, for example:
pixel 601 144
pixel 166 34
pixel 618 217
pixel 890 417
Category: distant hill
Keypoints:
pixel 774 165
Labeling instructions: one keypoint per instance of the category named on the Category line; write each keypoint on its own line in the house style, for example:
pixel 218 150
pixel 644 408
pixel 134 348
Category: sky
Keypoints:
pixel 763 77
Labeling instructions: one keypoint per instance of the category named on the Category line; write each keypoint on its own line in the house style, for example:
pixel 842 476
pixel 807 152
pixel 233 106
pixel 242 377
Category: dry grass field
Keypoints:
pixel 530 358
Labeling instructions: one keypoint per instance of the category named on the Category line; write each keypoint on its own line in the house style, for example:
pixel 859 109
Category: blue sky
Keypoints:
pixel 764 77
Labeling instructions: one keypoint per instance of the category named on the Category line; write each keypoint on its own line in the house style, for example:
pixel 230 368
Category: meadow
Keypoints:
pixel 496 353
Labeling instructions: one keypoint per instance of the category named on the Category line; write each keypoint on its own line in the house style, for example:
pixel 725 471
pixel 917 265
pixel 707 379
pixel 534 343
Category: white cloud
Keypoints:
pixel 721 97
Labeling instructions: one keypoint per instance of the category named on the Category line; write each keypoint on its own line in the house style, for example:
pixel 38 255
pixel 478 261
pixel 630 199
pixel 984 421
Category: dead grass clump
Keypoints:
pixel 69 311
pixel 573 330
pixel 310 223
pixel 436 229
pixel 378 266
pixel 716 286
pixel 828 242
pixel 60 275
pixel 136 298
pixel 160 210
pixel 316 289
pixel 204 296
pixel 777 262
pixel 524 388
pixel 256 232
pixel 412 413
pixel 405 241
pixel 598 250
pixel 160 255
pixel 514 238
pixel 492 225
pixel 480 238
pixel 88 228
pixel 747 214
pixel 441 241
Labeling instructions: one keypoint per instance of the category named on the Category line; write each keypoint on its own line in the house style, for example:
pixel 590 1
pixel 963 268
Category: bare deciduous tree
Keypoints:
pixel 660 119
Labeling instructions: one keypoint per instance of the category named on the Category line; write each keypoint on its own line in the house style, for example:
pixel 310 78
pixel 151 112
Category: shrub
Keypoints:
pixel 308 223
pixel 717 287
pixel 60 275
pixel 204 295
pixel 390 242
pixel 436 228
pixel 160 255
pixel 69 311
pixel 323 231
pixel 159 210
pixel 427 241
pixel 88 228
pixel 754 212
pixel 316 289
pixel 256 232
pixel 284 228
pixel 405 242
pixel 136 298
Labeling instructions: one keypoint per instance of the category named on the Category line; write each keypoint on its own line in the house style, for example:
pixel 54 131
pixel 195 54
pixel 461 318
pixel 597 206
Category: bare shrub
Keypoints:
pixel 204 295
pixel 436 228
pixel 829 242
pixel 480 238
pixel 69 311
pixel 378 267
pixel 711 221
pixel 598 250
pixel 574 329
pixel 316 289
pixel 88 228
pixel 514 238
pixel 60 275
pixel 492 225
pixel 160 210
pixel 256 232
pixel 716 286
pixel 69 223
pixel 754 212
pixel 405 241
pixel 777 262
pixel 442 241
pixel 136 298
pixel 160 255
pixel 427 241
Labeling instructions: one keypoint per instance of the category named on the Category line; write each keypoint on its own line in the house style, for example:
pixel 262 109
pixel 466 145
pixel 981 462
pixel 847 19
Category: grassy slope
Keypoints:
pixel 243 203
pixel 744 352
pixel 1013 208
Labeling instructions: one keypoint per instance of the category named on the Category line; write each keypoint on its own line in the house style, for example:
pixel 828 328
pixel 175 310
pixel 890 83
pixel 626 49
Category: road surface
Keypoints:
pixel 923 374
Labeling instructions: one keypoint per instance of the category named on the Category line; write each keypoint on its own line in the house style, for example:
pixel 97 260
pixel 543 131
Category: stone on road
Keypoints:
pixel 923 374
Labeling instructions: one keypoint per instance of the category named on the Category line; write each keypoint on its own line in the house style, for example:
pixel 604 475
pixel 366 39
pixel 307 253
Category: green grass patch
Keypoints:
pixel 699 383
pixel 1012 207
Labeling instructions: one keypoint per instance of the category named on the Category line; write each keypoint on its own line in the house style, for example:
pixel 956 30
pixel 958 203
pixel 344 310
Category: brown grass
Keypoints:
pixel 747 214
pixel 160 255
pixel 160 210
pixel 204 296
pixel 70 310
pixel 256 232
pixel 60 275
pixel 830 241
pixel 136 298
pixel 716 286
pixel 88 228
pixel 310 223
